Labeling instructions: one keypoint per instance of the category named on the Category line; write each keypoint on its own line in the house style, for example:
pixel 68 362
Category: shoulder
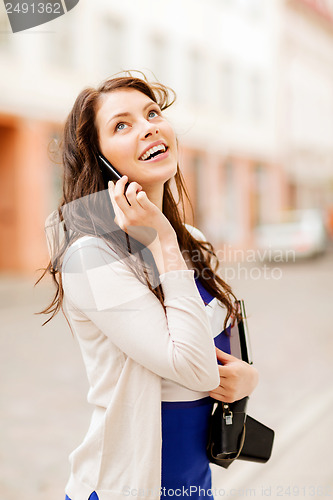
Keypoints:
pixel 96 278
pixel 195 232
pixel 88 252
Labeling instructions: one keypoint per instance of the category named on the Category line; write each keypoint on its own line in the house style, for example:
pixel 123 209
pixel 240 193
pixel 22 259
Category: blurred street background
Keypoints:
pixel 44 413
pixel 254 119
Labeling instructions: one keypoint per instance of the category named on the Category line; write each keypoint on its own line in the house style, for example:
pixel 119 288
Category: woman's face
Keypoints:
pixel 129 125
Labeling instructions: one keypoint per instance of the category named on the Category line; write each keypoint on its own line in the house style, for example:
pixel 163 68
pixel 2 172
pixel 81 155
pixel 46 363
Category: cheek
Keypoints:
pixel 172 136
pixel 119 149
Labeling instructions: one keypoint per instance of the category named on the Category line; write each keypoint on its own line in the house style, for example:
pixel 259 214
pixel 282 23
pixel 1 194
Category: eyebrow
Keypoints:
pixel 127 113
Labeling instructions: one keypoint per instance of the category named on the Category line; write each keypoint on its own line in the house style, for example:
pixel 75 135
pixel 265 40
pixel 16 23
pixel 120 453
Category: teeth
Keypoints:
pixel 150 151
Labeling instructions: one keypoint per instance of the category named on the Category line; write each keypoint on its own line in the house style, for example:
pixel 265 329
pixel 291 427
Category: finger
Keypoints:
pixel 219 395
pixel 226 385
pixel 120 184
pixel 223 376
pixel 118 214
pixel 119 194
pixel 224 396
pixel 111 188
pixel 222 372
pixel 143 199
pixel 231 373
pixel 131 194
pixel 216 396
pixel 112 194
pixel 224 357
pixel 140 198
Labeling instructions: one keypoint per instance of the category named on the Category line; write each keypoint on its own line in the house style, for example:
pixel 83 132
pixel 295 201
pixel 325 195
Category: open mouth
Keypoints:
pixel 154 152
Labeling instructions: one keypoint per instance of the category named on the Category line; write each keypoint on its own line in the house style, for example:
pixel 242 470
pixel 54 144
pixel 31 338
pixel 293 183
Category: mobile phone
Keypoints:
pixel 108 171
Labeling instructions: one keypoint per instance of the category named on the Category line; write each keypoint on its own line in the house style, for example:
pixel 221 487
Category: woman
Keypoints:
pixel 143 299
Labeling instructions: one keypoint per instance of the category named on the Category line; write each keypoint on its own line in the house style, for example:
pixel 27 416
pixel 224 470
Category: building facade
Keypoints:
pixel 307 107
pixel 237 114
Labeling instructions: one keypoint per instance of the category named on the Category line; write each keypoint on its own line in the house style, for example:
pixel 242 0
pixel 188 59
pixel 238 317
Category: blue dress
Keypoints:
pixel 185 466
pixel 93 496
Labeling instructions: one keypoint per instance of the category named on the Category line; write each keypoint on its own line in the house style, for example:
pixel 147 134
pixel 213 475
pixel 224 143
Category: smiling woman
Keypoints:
pixel 146 318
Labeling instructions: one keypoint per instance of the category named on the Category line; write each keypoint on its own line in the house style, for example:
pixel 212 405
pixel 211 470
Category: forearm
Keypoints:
pixel 167 255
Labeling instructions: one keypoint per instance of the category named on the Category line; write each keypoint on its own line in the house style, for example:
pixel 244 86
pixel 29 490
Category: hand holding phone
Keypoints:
pixel 141 218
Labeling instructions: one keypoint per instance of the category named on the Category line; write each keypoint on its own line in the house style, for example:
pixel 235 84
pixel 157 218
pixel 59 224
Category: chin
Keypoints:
pixel 158 173
pixel 164 171
pixel 172 169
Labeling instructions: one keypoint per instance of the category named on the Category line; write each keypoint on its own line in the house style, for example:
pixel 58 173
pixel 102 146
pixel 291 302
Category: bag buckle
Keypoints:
pixel 227 414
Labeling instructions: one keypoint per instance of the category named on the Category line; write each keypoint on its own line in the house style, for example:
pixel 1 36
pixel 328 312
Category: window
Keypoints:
pixel 228 88
pixel 259 195
pixel 250 7
pixel 55 164
pixel 5 31
pixel 159 58
pixel 60 48
pixel 113 46
pixel 200 203
pixel 230 204
pixel 255 97
pixel 197 77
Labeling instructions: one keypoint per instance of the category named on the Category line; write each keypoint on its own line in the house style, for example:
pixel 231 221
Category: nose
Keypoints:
pixel 149 129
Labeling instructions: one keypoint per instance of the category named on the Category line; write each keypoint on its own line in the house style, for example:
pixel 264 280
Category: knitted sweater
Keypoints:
pixel 129 344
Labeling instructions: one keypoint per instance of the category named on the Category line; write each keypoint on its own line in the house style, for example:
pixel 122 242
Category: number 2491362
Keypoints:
pixel 33 8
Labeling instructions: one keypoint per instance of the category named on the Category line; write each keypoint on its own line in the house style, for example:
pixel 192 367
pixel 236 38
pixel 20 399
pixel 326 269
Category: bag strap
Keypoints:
pixel 225 462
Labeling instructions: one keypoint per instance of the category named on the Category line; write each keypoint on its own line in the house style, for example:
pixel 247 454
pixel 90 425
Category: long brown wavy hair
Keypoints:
pixel 82 179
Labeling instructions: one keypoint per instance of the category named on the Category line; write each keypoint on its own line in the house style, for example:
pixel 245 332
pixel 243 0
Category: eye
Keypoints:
pixel 120 126
pixel 153 113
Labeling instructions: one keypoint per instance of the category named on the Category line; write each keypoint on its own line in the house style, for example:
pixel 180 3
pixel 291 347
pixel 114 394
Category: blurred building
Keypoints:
pixel 253 115
pixel 307 106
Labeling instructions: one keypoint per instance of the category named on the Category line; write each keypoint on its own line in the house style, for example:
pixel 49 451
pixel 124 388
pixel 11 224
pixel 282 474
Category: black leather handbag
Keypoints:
pixel 235 435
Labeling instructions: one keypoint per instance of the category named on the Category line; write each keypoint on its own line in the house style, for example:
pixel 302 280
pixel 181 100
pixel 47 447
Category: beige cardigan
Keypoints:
pixel 128 345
